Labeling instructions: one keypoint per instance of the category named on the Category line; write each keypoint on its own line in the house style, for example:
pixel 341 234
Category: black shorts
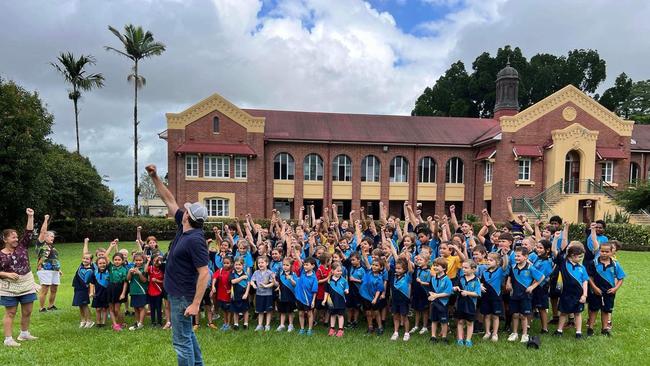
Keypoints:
pixel 336 311
pixel 570 305
pixel 81 298
pixel 353 301
pixel 603 303
pixel 540 297
pixel 302 307
pixel 319 305
pixel 239 306
pixel 521 306
pixel 114 293
pixel 138 301
pixel 491 305
pixel 206 300
pixel 263 304
pixel 286 307
pixel 369 306
pixel 100 301
pixel 553 291
pixel 400 307
pixel 224 305
pixel 439 313
pixel 461 315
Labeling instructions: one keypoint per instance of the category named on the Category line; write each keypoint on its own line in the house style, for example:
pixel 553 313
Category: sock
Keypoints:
pixel 8 338
pixel 24 333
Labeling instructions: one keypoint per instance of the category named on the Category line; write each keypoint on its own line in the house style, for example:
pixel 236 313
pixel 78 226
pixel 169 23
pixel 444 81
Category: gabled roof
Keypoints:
pixel 374 129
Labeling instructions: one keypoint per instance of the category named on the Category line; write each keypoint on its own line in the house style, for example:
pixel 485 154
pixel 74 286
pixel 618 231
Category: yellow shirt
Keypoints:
pixel 454 264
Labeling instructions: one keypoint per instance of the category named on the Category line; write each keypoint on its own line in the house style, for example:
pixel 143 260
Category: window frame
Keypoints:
pixel 311 160
pixel 225 204
pixel 216 122
pixel 241 168
pixel 605 166
pixel 457 166
pixel 374 169
pixel 289 167
pixel 432 166
pixel 347 168
pixel 196 163
pixel 399 164
pixel 524 166
pixel 222 161
pixel 488 172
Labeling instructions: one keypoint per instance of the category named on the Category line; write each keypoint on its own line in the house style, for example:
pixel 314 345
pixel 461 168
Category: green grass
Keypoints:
pixel 62 343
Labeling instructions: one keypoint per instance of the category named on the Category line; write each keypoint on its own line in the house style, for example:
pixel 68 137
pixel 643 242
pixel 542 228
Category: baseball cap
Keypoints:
pixel 197 212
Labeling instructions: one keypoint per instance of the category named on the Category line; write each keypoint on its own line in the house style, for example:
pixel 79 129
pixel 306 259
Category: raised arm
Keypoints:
pixel 41 234
pixel 85 248
pixel 301 220
pixel 595 245
pixel 511 214
pixel 382 214
pixel 453 219
pixel 30 219
pixel 164 193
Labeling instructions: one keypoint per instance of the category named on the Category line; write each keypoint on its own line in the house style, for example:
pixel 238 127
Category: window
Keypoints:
pixel 454 172
pixel 216 166
pixel 313 167
pixel 218 207
pixel 427 170
pixel 191 166
pixel 634 173
pixel 607 172
pixel 399 169
pixel 370 168
pixel 241 167
pixel 215 124
pixel 283 167
pixel 342 168
pixel 488 172
pixel 524 169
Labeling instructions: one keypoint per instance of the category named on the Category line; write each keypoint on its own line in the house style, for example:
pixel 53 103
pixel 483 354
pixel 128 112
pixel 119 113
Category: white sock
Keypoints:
pixel 8 338
pixel 24 333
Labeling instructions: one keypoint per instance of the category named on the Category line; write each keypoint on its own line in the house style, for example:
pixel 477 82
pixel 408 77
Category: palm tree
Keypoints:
pixel 73 72
pixel 138 44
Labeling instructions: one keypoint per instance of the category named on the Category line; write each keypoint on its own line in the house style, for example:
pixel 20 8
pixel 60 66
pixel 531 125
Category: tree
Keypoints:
pixel 635 198
pixel 639 102
pixel 138 45
pixel 616 98
pixel 73 72
pixel 146 188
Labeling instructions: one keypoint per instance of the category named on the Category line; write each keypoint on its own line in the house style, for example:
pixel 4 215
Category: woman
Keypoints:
pixel 48 267
pixel 16 281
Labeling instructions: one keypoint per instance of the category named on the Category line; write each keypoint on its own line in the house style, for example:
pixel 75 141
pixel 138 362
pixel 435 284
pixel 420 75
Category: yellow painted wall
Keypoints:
pixel 487 191
pixel 313 189
pixel 454 192
pixel 398 191
pixel 230 196
pixel 283 188
pixel 574 137
pixel 568 208
pixel 370 190
pixel 342 190
pixel 427 191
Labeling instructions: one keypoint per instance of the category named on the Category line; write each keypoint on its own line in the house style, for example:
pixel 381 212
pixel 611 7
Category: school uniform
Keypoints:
pixel 401 291
pixel 223 288
pixel 336 289
pixel 541 292
pixel 590 252
pixel 263 295
pixel 521 279
pixel 116 278
pixel 420 292
pixel 466 305
pixel 354 297
pixel 370 285
pixel 605 277
pixel 439 307
pixel 287 297
pixel 80 283
pixel 306 288
pixel 248 261
pixel 238 304
pixel 573 278
pixel 137 289
pixel 154 294
pixel 491 302
pixel 100 281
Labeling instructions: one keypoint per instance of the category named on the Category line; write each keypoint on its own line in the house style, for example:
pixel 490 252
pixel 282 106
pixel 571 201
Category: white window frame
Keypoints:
pixel 489 166
pixel 216 166
pixel 633 165
pixel 431 177
pixel 523 171
pixel 607 172
pixel 370 169
pixel 241 167
pixel 287 166
pixel 455 173
pixel 344 161
pixel 218 207
pixel 313 168
pixel 399 170
pixel 192 166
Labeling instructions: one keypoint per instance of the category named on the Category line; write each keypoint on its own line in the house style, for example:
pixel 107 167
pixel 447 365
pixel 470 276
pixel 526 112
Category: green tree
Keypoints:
pixel 138 45
pixel 74 73
pixel 635 198
pixel 639 102
pixel 616 98
pixel 448 97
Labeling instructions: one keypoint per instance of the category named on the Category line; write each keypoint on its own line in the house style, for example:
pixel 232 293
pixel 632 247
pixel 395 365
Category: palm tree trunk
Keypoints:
pixel 135 143
pixel 76 117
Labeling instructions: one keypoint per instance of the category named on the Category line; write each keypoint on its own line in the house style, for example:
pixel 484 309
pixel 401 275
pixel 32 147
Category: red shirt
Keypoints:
pixel 322 273
pixel 223 284
pixel 155 289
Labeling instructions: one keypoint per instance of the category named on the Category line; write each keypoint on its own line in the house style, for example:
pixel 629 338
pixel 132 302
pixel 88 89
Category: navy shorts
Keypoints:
pixel 263 304
pixel 138 301
pixel 540 297
pixel 603 303
pixel 439 313
pixel 303 307
pixel 570 305
pixel 521 306
pixel 319 305
pixel 286 307
pixel 399 307
pixel 491 305
pixel 114 293
pixel 369 306
pixel 100 301
pixel 11 301
pixel 419 301
pixel 462 315
pixel 224 305
pixel 337 311
pixel 80 298
pixel 239 306
pixel 206 300
pixel 353 300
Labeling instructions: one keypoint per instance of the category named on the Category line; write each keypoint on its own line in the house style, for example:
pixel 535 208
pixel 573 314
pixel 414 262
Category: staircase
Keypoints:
pixel 541 205
pixel 642 218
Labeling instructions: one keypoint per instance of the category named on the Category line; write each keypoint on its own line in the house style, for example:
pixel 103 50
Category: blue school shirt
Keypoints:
pixel 545 266
pixel 276 267
pixel 424 275
pixel 287 289
pixel 522 278
pixel 356 273
pixel 605 275
pixel 493 280
pixel 83 277
pixel 403 284
pixel 353 244
pixel 371 284
pixel 442 285
pixel 238 288
pixel 336 289
pixel 100 278
pixel 306 287
pixel 248 261
pixel 573 277
pixel 472 285
pixel 590 254
pixel 532 257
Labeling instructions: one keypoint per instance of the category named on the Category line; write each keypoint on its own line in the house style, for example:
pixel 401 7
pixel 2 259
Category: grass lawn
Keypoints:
pixel 61 342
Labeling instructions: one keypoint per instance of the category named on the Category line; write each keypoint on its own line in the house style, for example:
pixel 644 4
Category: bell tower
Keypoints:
pixel 507 100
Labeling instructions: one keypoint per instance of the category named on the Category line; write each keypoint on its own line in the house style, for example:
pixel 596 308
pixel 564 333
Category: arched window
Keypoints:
pixel 370 168
pixel 634 173
pixel 313 167
pixel 399 170
pixel 218 207
pixel 427 170
pixel 215 124
pixel 342 168
pixel 454 171
pixel 283 167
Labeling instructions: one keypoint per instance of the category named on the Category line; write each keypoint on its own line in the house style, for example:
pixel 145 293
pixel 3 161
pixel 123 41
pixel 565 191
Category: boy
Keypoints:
pixel 522 280
pixel 306 289
pixel 605 278
pixel 574 285
pixel 439 297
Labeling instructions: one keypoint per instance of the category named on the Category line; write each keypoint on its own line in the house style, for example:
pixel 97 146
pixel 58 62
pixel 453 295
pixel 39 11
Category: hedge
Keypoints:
pixel 634 237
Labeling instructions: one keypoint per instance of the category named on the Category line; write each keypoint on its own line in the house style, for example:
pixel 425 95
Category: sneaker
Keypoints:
pixel 280 328
pixel 558 333
pixel 310 332
pixel 27 337
pixel 495 337
pixel 380 331
pixel 168 325
pixel 423 331
pixel 301 332
pixel 212 326
pixel 524 338
pixel 407 336
pixel 138 326
pixel 290 328
pixel 433 340
pixel 460 342
pixel 578 335
pixel 235 327
pixel 43 310
pixel 267 328
pixel 606 332
pixel 543 331
pixel 53 307
pixel 468 343
pixel 513 337
pixel 117 327
pixel 89 325
pixel 414 329
pixel 226 327
pixel 395 336
pixel 11 343
pixel 555 320
pixel 259 328
pixel 590 332
pixel 331 333
pixel 369 331
pixel 245 327
pixel 82 325
pixel 487 336
pixel 339 333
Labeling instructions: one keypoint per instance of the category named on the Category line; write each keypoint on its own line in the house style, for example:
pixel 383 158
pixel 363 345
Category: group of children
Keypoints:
pixel 333 271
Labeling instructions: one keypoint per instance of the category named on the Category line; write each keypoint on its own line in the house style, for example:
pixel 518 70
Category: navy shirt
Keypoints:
pixel 187 252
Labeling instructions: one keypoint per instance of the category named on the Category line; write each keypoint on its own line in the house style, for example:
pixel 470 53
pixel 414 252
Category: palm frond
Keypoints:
pixel 109 48
pixel 141 80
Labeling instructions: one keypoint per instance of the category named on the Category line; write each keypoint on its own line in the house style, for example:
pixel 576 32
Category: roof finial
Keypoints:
pixel 508 63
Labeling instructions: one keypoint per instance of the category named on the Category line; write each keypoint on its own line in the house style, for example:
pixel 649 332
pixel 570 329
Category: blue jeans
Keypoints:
pixel 183 338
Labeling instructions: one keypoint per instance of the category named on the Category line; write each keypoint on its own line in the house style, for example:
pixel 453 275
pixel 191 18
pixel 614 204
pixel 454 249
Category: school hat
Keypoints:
pixel 197 212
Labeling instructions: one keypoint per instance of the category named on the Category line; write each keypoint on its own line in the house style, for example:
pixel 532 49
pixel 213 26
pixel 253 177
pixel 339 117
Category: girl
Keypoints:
pixel 243 251
pixel 491 303
pixel 221 287
pixel 469 289
pixel 544 264
pixel 99 291
pixel 401 296
pixel 354 297
pixel 421 288
pixel 323 276
pixel 137 279
pixel 372 286
pixel 286 297
pixel 276 261
pixel 239 304
pixel 117 273
pixel 81 286
pixel 263 281
pixel 155 289
pixel 337 288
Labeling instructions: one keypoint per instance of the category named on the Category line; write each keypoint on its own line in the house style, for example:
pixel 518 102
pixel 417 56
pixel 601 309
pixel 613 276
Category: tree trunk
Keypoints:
pixel 135 144
pixel 76 116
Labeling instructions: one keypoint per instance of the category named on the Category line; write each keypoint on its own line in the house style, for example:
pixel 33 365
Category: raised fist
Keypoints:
pixel 29 212
pixel 151 170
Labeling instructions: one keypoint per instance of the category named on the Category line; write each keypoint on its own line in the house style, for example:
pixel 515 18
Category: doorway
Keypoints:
pixel 572 172
pixel 586 211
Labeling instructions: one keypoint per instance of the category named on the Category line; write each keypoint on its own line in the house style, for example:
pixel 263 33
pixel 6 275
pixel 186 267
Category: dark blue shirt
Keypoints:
pixel 187 252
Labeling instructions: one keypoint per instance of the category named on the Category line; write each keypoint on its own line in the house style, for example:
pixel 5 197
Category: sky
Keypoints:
pixel 355 56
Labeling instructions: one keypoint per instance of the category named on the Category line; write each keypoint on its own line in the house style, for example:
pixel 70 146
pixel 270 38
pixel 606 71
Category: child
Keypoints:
pixel 605 278
pixel 306 289
pixel 574 284
pixel 421 289
pixel 137 279
pixel 99 291
pixel 80 283
pixel 337 288
pixel 469 289
pixel 491 304
pixel 221 287
pixel 522 280
pixel 372 286
pixel 441 290
pixel 355 278
pixel 287 297
pixel 155 289
pixel 263 281
pixel 401 296
pixel 544 264
pixel 243 251
pixel 116 287
pixel 322 275
pixel 240 288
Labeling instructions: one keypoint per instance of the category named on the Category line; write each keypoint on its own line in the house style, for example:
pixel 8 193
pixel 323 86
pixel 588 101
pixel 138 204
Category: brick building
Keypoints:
pixel 564 155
